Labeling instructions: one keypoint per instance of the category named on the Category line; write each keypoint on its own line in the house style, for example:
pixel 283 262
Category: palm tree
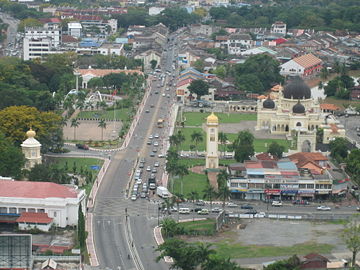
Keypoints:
pixel 167 203
pixel 324 73
pixel 204 252
pixel 178 197
pixel 223 189
pixel 197 137
pixel 209 193
pixel 63 122
pixel 169 227
pixel 174 141
pixel 102 125
pixel 223 139
pixel 180 137
pixel 74 123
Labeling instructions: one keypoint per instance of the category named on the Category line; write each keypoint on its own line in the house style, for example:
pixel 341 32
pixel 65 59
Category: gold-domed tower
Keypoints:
pixel 31 150
pixel 212 129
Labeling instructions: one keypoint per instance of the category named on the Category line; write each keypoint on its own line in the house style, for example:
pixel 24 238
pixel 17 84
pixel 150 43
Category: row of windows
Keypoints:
pixel 14 210
pixel 277 186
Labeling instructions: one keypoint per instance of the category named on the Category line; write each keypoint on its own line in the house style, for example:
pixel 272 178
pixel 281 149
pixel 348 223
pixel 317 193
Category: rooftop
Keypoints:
pixel 307 60
pixel 27 217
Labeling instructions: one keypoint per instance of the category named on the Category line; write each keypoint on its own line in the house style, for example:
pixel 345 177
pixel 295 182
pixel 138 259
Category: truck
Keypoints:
pixel 162 192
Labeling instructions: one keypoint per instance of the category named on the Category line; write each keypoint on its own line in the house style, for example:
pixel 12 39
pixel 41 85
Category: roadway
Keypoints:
pixel 115 246
pixel 10 46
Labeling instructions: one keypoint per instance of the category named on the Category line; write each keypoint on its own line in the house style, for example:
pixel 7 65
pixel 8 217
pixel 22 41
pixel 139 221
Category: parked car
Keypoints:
pixel 133 197
pixel 148 168
pixel 200 202
pixel 149 142
pixel 246 206
pixel 152 154
pixel 143 195
pixel 232 205
pixel 301 202
pixel 203 212
pixel 276 203
pixel 323 208
pixel 251 212
pixel 82 146
pixel 216 210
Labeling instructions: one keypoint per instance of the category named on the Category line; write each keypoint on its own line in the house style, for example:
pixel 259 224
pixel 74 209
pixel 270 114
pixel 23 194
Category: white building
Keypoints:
pixel 53 35
pixel 153 11
pixel 302 66
pixel 74 29
pixel 59 202
pixel 238 43
pixel 104 49
pixel 278 28
pixel 31 150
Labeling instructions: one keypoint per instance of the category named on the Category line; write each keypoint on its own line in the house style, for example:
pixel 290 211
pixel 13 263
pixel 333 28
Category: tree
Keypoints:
pixel 219 263
pixel 153 64
pixel 324 73
pixel 209 194
pixel 81 229
pixel 292 263
pixel 16 120
pixel 74 123
pixel 12 159
pixel 199 65
pixel 197 137
pixel 102 125
pixel 276 149
pixel 169 227
pixel 29 22
pixel 199 87
pixel 243 146
pixel 223 139
pixel 353 165
pixel 339 149
pixel 351 236
pixel 49 173
pixel 223 189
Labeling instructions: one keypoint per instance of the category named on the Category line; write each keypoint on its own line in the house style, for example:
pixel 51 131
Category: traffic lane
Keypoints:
pixel 145 243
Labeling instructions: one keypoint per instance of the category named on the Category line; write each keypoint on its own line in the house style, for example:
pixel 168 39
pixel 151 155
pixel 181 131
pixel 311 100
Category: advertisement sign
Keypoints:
pixel 240 190
pixel 273 191
pixel 307 191
pixel 289 192
pixel 289 186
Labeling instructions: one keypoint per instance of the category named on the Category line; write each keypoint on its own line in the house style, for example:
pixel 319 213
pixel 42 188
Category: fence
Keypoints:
pixel 319 217
pixel 58 258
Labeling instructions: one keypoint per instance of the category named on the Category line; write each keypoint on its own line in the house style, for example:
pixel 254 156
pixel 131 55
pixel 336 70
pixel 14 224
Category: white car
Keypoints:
pixel 148 168
pixel 156 143
pixel 232 205
pixel 157 164
pixel 151 137
pixel 323 208
pixel 216 210
pixel 133 197
pixel 156 136
pixel 138 181
pixel 276 203
pixel 163 95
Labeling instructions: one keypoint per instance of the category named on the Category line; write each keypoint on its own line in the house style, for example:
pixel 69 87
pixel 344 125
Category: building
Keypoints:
pixel 31 150
pixel 54 35
pixel 212 141
pixel 28 221
pixel 278 28
pixel 88 74
pixel 302 66
pixel 60 202
pixel 75 29
pixel 315 162
pixel 16 251
pixel 238 43
pixel 148 56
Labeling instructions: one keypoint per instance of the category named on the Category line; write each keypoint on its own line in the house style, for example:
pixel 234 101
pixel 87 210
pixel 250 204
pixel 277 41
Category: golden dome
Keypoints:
pixel 31 133
pixel 212 118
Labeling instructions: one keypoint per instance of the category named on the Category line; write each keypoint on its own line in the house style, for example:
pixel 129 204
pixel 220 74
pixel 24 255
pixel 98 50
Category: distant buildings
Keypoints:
pixel 302 66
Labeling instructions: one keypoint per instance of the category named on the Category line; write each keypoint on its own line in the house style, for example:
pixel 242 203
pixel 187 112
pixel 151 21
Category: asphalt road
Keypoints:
pixel 113 247
pixel 351 124
pixel 10 43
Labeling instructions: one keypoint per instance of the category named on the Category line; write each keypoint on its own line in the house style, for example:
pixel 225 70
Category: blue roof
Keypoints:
pixel 89 44
pixel 286 165
pixel 255 171
pixel 122 40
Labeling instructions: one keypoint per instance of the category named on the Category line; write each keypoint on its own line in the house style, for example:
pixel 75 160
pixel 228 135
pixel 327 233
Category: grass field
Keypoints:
pixel 236 250
pixel 197 118
pixel 85 163
pixel 260 145
pixel 120 114
pixel 200 225
pixel 192 162
pixel 191 182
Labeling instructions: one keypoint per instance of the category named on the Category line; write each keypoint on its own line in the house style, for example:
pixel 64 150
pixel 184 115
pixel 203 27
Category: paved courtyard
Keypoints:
pixel 90 130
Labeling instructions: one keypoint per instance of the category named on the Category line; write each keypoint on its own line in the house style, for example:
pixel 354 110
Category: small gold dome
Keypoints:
pixel 212 118
pixel 31 133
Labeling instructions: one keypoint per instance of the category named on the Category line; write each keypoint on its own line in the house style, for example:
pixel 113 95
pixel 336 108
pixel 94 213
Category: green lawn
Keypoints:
pixel 192 162
pixel 260 145
pixel 121 114
pixel 236 250
pixel 191 182
pixel 85 163
pixel 197 118
pixel 200 225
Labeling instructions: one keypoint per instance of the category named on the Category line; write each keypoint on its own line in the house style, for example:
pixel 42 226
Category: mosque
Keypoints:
pixel 291 109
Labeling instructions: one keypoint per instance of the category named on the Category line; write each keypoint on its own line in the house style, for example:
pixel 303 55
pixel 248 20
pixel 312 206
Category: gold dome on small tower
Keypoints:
pixel 30 133
pixel 212 118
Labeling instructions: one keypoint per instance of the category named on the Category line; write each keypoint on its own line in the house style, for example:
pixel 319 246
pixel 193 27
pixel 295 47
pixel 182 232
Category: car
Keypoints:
pixel 147 111
pixel 148 168
pixel 154 170
pixel 142 160
pixel 133 197
pixel 152 154
pixel 163 95
pixel 358 134
pixel 149 142
pixel 232 205
pixel 154 150
pixel 197 209
pixel 152 176
pixel 276 203
pixel 138 181
pixel 161 156
pixel 167 89
pixel 141 165
pixel 157 164
pixel 251 212
pixel 156 143
pixel 168 96
pixel 216 210
pixel 323 208
pixel 156 92
pixel 151 137
pixel 358 209
pixel 200 202
pixel 203 212
pixel 82 146
pixel 246 206
pixel 156 136
pixel 143 195
pixel 152 106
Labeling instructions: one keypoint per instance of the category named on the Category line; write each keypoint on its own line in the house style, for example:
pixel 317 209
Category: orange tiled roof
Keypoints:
pixel 334 128
pixel 307 60
pixel 277 88
pixel 261 97
pixel 34 218
pixel 329 106
pixel 104 72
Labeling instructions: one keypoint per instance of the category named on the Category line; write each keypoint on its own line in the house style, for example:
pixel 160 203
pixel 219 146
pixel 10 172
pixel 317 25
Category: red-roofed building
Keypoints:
pixel 59 202
pixel 28 220
pixel 303 66
pixel 315 162
pixel 329 108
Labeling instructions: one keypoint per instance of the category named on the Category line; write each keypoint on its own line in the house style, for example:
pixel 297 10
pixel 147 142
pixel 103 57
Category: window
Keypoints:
pixel 13 210
pixel 302 185
pixel 55 214
pixel 31 210
pixel 22 210
pixel 234 185
pixel 3 210
pixel 41 210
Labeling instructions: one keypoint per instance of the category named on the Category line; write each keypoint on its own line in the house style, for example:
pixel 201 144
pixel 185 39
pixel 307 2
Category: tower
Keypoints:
pixel 212 157
pixel 31 150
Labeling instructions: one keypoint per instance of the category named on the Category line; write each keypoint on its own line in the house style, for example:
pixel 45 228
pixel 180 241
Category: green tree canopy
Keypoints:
pixel 339 149
pixel 276 149
pixel 11 159
pixel 243 146
pixel 199 87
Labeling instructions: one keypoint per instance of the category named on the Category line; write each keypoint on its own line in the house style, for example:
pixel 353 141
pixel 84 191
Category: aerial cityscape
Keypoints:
pixel 179 134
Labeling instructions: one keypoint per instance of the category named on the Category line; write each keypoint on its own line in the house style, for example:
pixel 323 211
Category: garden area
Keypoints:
pixel 120 114
pixel 193 182
pixel 197 118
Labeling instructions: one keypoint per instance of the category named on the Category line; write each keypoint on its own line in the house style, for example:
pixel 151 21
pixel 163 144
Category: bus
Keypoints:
pixel 160 123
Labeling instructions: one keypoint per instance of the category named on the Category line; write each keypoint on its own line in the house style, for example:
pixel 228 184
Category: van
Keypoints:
pixel 184 211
